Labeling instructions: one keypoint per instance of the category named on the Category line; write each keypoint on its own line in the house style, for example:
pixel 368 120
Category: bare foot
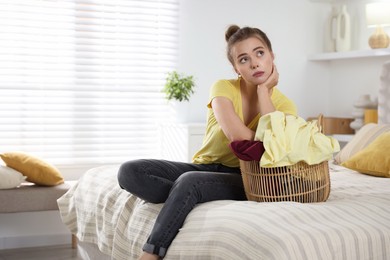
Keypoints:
pixel 147 256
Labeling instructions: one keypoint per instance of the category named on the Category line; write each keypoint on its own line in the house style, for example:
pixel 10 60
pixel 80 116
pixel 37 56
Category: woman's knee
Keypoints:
pixel 140 177
pixel 127 173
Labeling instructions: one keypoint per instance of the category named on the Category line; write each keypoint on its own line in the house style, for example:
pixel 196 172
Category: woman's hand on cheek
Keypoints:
pixel 273 79
pixel 271 82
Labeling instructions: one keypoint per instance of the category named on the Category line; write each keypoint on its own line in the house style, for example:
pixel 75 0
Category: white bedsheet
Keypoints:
pixel 353 224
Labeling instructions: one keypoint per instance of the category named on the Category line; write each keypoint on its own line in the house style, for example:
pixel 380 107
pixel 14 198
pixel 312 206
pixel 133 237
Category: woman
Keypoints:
pixel 235 107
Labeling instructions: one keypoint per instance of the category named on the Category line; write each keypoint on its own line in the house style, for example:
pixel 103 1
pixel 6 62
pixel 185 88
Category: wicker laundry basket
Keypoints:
pixel 299 182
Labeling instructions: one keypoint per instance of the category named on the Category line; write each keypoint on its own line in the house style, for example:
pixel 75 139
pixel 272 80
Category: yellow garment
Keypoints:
pixel 215 147
pixel 289 139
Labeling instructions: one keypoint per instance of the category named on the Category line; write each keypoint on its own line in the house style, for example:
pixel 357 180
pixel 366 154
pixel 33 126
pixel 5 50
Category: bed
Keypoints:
pixel 354 223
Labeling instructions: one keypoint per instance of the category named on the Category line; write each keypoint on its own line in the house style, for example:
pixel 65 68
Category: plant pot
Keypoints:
pixel 179 111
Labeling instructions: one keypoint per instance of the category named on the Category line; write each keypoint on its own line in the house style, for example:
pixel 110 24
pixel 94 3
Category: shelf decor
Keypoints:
pixel 343 30
pixel 330 30
pixel 378 15
pixel 363 103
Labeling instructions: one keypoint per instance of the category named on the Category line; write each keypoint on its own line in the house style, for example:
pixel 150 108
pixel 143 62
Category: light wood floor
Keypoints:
pixel 62 252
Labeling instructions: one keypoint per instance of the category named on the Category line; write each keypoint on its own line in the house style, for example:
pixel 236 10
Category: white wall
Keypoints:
pixel 296 30
pixel 350 79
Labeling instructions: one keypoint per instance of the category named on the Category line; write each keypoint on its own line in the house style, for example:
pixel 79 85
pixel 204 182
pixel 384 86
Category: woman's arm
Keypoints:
pixel 264 92
pixel 229 121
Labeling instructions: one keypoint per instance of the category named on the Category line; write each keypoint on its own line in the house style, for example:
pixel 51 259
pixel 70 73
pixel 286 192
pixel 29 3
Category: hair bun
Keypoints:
pixel 230 31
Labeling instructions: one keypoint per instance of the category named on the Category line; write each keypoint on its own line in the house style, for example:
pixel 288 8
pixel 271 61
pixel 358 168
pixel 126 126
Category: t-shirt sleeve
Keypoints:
pixel 283 103
pixel 221 88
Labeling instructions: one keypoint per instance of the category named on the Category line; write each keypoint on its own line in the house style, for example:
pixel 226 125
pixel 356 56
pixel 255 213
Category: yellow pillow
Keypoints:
pixel 35 169
pixel 367 134
pixel 374 159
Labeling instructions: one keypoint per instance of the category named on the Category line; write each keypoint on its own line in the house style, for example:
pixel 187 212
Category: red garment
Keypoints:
pixel 247 150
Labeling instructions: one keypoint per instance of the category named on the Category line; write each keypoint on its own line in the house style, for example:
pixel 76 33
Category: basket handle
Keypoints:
pixel 321 123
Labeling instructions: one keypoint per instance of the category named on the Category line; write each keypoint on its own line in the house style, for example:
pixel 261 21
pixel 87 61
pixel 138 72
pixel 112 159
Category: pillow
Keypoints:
pixel 374 159
pixel 9 178
pixel 362 138
pixel 36 170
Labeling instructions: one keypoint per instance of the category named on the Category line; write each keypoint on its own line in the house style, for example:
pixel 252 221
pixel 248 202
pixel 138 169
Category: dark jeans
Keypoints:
pixel 180 186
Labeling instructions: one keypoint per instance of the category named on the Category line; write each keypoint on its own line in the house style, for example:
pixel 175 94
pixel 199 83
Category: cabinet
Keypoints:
pixel 179 142
pixel 336 125
pixel 338 128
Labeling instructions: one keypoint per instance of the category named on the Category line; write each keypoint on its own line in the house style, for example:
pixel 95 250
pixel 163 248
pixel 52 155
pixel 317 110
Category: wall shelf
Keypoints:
pixel 337 1
pixel 350 55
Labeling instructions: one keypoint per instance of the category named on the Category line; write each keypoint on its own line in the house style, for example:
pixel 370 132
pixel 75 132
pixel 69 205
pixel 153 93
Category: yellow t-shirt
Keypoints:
pixel 215 147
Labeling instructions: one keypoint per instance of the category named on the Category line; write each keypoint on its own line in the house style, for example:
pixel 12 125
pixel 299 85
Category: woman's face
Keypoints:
pixel 252 60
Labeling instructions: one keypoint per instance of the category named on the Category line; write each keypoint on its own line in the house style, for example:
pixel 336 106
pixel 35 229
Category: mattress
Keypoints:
pixel 354 223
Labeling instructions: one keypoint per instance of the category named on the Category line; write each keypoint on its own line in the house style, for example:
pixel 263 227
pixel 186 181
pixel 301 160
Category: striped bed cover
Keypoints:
pixel 353 224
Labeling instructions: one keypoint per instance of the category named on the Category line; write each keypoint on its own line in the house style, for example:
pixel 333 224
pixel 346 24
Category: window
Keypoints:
pixel 81 80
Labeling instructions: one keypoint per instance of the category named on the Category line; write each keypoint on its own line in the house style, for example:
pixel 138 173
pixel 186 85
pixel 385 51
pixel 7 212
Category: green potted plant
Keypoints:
pixel 178 86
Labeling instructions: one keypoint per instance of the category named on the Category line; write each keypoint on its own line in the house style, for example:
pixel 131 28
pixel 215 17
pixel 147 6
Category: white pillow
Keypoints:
pixel 10 178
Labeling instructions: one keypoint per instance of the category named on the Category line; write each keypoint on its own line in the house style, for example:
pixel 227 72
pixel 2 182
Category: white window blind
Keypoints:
pixel 81 80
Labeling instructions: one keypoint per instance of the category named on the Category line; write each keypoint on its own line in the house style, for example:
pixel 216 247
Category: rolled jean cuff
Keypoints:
pixel 152 249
